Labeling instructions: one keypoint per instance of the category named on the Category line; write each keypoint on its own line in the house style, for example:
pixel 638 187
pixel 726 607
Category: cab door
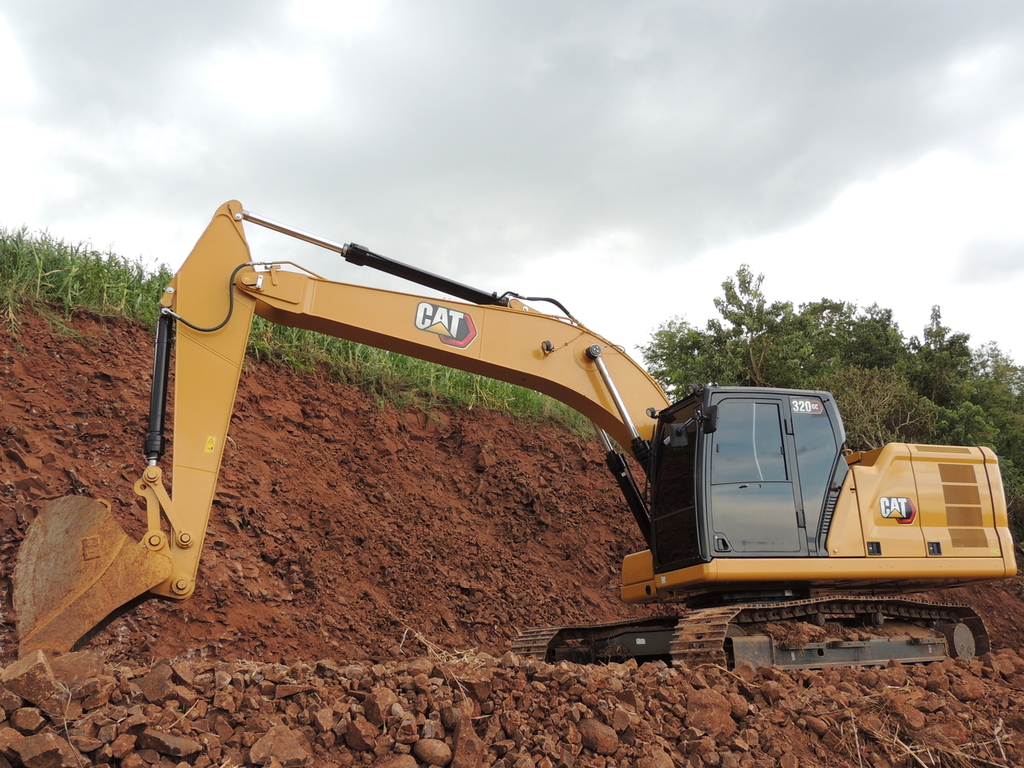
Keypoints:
pixel 750 481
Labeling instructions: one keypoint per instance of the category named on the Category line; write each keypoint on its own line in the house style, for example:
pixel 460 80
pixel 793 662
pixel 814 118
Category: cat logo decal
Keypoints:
pixel 454 327
pixel 898 508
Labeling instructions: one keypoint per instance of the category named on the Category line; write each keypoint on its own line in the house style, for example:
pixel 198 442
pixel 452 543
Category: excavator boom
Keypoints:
pixel 63 590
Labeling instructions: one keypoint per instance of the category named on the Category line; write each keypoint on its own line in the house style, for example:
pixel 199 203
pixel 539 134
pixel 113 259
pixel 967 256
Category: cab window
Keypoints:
pixel 748 444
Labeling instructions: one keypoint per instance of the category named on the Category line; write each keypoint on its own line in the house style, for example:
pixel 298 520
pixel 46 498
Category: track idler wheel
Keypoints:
pixel 960 641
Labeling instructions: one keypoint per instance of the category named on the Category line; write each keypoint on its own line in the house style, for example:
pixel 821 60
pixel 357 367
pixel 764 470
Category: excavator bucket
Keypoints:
pixel 75 567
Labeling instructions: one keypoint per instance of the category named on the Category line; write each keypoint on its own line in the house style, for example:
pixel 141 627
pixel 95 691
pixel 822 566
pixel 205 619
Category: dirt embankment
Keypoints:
pixel 352 546
pixel 339 527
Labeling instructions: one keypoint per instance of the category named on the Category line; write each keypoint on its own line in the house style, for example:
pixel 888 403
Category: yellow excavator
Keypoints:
pixel 753 511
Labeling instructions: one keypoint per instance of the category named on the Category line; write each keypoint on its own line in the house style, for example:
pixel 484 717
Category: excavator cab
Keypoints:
pixel 752 496
pixel 742 472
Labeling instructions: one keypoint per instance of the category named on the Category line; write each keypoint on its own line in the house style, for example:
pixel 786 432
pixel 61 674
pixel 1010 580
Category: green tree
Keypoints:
pixel 756 336
pixel 940 364
pixel 753 343
pixel 872 340
pixel 759 343
pixel 679 354
pixel 879 406
pixel 998 388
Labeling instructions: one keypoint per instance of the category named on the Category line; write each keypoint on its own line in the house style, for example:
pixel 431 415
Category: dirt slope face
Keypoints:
pixel 339 527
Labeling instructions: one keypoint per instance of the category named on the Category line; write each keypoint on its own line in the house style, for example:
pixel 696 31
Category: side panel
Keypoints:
pixel 846 533
pixel 818 436
pixel 678 535
pixel 957 514
pixel 888 501
pixel 848 575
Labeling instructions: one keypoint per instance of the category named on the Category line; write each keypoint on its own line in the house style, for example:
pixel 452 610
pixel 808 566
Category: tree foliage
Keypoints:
pixel 932 388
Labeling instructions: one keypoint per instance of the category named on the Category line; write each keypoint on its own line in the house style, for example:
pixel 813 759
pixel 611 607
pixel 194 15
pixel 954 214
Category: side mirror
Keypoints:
pixel 711 420
pixel 677 436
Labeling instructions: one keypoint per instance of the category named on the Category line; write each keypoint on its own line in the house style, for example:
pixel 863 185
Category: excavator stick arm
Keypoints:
pixel 76 565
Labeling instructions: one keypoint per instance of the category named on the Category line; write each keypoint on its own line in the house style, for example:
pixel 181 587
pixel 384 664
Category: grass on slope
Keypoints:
pixel 54 278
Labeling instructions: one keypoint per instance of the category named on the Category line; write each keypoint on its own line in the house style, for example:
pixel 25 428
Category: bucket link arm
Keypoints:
pixel 150 487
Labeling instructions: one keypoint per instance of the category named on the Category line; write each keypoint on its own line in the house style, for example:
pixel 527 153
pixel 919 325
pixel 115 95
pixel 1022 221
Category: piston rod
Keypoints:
pixel 640 447
pixel 363 257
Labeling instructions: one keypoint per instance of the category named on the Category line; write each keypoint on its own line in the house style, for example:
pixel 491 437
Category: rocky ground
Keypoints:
pixel 364 572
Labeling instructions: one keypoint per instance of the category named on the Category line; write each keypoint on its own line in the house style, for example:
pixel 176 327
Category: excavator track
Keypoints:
pixel 607 641
pixel 729 635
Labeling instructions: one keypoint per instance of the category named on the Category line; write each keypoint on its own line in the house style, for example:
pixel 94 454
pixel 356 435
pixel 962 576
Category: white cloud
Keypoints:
pixel 33 178
pixel 275 86
pixel 339 17
pixel 16 85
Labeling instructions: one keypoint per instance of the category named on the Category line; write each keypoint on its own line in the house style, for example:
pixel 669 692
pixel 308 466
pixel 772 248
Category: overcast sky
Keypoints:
pixel 624 157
